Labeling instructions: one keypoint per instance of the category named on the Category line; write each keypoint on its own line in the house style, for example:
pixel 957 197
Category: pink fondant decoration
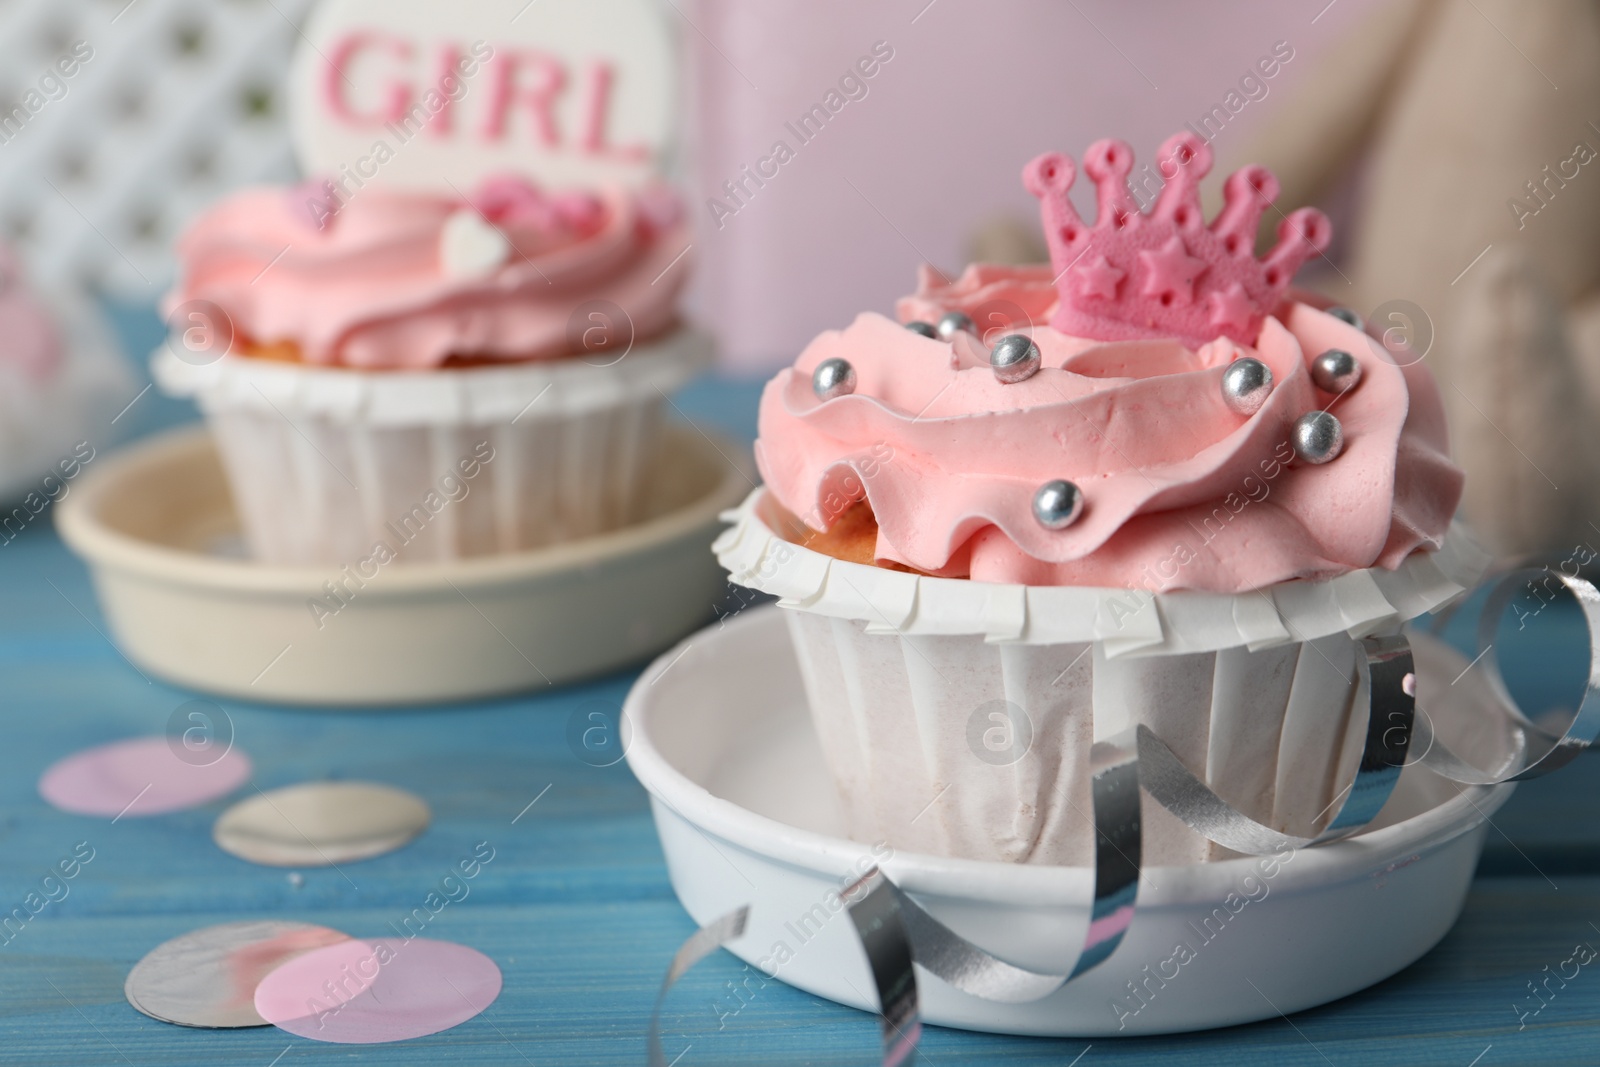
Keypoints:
pixel 335 81
pixel 1183 279
pixel 511 198
pixel 595 106
pixel 1231 310
pixel 448 81
pixel 597 117
pixel 1170 272
pixel 530 81
pixel 1098 278
pixel 374 990
pixel 140 776
pixel 434 97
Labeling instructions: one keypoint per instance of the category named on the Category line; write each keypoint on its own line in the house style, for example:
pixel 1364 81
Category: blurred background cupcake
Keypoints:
pixel 450 376
pixel 455 337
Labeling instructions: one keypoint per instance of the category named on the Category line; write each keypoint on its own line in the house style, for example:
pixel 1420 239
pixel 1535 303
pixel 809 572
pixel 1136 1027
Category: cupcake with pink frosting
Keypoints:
pixel 448 376
pixel 1148 484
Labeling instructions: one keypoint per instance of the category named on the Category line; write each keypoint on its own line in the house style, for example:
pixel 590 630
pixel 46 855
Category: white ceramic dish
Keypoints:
pixel 747 814
pixel 155 524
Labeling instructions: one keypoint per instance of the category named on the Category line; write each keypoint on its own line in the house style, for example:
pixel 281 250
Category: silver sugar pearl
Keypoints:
pixel 1318 437
pixel 833 378
pixel 1335 371
pixel 1246 384
pixel 1015 358
pixel 926 329
pixel 954 322
pixel 1347 316
pixel 1057 505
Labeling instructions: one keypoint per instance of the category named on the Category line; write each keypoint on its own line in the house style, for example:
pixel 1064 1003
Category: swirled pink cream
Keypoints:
pixel 392 280
pixel 1180 491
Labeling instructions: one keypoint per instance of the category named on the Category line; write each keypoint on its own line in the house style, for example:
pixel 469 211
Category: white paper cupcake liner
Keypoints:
pixel 328 464
pixel 957 716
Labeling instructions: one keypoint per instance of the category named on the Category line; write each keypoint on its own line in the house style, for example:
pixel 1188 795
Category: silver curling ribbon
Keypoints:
pixel 1385 673
pixel 1118 847
pixel 1542 751
pixel 875 906
pixel 876 911
pixel 1389 677
pixel 702 943
pixel 1118 830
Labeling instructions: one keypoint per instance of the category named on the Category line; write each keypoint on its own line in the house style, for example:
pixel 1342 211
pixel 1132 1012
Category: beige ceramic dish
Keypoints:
pixel 155 523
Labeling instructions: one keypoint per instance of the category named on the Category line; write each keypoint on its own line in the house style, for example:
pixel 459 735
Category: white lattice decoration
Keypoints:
pixel 181 101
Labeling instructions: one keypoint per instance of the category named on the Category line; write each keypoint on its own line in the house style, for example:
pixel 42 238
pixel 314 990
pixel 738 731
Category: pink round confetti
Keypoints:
pixel 373 990
pixel 141 776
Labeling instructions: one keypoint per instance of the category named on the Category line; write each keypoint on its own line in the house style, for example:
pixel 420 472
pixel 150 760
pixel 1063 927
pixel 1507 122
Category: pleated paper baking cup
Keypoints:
pixel 957 717
pixel 328 465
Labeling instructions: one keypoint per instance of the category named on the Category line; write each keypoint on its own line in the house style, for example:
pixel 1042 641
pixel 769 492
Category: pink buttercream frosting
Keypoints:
pixel 368 283
pixel 1181 492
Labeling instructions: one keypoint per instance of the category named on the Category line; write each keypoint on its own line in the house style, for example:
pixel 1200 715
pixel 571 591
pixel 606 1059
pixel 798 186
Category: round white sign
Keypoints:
pixel 418 94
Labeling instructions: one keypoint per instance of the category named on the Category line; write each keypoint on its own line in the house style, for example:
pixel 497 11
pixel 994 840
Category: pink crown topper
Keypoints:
pixel 1133 275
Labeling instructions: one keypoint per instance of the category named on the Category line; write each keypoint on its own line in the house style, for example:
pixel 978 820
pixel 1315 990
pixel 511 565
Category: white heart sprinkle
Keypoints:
pixel 469 247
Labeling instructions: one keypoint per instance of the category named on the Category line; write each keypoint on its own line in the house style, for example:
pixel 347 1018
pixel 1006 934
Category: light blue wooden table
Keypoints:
pixel 576 907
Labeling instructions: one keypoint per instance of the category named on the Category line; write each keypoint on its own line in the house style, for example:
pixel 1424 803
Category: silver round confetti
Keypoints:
pixel 926 329
pixel 1246 384
pixel 208 978
pixel 1057 505
pixel 1335 371
pixel 954 322
pixel 1318 437
pixel 1345 315
pixel 833 378
pixel 1015 358
pixel 321 824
